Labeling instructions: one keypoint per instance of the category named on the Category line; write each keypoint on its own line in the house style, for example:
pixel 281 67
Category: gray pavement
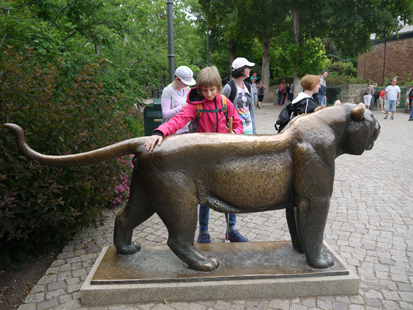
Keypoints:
pixel 370 225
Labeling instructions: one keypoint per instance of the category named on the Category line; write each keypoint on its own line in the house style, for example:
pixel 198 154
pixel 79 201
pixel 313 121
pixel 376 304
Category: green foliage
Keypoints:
pixel 309 59
pixel 334 78
pixel 342 68
pixel 342 72
pixel 41 206
pixel 131 36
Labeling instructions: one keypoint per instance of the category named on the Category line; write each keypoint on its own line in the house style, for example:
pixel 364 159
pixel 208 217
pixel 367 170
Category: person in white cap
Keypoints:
pixel 240 93
pixel 174 95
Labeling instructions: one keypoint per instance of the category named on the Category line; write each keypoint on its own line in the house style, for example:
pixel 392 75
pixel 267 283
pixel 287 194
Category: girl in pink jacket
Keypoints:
pixel 213 119
pixel 207 93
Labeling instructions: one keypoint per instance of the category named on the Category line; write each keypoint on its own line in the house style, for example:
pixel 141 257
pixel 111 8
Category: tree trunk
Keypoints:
pixel 163 81
pixel 232 48
pixel 297 86
pixel 266 62
pixel 295 15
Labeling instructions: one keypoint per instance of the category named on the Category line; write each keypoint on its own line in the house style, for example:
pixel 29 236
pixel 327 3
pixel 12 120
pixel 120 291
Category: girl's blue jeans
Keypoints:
pixel 204 218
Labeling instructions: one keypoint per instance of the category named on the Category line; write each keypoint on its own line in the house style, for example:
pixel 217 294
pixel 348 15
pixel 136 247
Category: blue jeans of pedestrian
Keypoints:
pixel 204 218
pixel 391 105
pixel 411 115
pixel 255 98
pixel 280 96
pixel 321 100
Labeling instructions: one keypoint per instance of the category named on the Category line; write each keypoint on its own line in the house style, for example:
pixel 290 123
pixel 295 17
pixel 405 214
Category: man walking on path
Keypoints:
pixel 392 94
pixel 322 92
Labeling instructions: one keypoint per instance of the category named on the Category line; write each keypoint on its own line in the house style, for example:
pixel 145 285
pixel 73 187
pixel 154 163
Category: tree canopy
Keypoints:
pixel 130 36
pixel 283 38
pixel 299 27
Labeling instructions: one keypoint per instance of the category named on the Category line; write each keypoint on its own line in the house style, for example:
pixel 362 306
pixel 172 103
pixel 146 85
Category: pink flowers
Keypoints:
pixel 123 179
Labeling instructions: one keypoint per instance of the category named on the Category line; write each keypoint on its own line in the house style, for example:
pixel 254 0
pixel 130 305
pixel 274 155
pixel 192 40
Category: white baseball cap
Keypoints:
pixel 241 62
pixel 185 75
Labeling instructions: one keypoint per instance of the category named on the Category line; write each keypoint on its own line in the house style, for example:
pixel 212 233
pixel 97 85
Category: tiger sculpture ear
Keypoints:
pixel 357 114
pixel 337 102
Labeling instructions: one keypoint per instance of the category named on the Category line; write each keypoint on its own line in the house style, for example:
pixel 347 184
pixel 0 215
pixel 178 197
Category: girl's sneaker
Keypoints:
pixel 235 236
pixel 204 238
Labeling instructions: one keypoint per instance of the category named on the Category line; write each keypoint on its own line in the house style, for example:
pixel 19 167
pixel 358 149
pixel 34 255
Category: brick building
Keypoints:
pixel 389 57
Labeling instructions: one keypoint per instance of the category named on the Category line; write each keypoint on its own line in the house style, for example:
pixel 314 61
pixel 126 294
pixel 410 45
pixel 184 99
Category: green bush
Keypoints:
pixel 40 206
pixel 343 68
pixel 334 79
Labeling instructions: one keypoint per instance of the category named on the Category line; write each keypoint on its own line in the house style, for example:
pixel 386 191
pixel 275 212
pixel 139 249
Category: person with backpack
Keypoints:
pixel 378 95
pixel 174 95
pixel 374 96
pixel 239 93
pixel 367 95
pixel 302 104
pixel 211 113
pixel 261 91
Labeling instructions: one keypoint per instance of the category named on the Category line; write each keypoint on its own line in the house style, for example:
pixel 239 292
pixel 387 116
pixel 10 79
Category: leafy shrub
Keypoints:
pixel 334 79
pixel 41 206
pixel 343 68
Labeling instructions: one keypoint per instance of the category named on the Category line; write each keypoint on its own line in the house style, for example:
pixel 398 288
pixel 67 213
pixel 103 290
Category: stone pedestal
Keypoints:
pixel 247 271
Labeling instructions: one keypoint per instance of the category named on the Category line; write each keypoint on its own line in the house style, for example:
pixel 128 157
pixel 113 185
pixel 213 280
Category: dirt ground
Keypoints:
pixel 15 285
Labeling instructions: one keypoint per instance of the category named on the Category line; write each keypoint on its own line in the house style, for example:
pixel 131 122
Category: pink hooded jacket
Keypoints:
pixel 208 120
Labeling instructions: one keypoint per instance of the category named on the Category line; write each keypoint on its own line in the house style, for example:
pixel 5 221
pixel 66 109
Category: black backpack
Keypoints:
pixel 284 118
pixel 234 89
pixel 411 92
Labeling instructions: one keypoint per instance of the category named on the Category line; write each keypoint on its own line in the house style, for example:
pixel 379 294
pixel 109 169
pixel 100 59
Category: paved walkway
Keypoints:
pixel 370 225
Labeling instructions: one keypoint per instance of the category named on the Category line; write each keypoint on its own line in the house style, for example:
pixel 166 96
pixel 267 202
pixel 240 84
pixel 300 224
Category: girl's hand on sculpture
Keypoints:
pixel 151 142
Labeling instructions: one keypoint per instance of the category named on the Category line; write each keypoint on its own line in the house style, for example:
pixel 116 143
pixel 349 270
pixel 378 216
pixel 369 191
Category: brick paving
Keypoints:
pixel 369 225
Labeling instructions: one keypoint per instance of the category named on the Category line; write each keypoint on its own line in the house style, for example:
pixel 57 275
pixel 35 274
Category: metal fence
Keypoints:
pixel 333 94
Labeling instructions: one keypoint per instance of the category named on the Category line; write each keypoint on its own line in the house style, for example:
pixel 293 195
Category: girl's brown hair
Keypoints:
pixel 208 77
pixel 310 81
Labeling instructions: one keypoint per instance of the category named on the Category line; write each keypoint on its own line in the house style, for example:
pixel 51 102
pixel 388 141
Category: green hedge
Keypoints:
pixel 41 207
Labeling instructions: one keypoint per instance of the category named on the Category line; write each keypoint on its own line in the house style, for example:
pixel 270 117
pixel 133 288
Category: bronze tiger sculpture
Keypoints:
pixel 293 170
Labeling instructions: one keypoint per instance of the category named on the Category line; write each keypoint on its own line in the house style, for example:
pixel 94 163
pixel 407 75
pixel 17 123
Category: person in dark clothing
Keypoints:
pixel 287 90
pixel 322 92
pixel 304 103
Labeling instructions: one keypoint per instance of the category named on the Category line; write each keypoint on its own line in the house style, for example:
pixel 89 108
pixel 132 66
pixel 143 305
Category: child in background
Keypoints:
pixel 380 105
pixel 208 93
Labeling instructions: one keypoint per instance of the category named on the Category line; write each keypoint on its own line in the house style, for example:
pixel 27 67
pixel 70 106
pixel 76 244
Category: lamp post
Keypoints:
pixel 208 43
pixel 171 56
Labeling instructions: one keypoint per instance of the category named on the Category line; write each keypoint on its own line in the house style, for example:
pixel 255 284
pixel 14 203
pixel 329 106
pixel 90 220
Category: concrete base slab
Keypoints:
pixel 247 271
